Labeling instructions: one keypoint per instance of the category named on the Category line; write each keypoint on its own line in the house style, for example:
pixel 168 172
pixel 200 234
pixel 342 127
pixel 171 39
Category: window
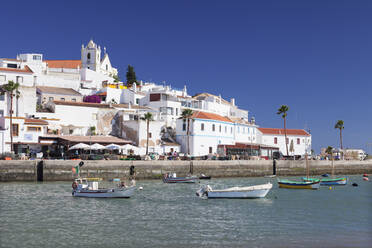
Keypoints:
pixel 34 129
pixel 73 99
pixel 225 129
pixel 137 100
pixel 12 65
pixel 231 130
pixel 106 67
pixel 150 135
pixel 220 128
pixel 202 127
pixel 238 129
pixel 210 149
pixel 1 113
pixel 88 56
pixel 36 57
pixel 35 79
pixel 275 140
pixel 19 79
pixel 62 99
pixel 176 111
pixel 287 140
pixel 15 129
pixel 2 96
pixel 298 141
pixel 184 125
pixel 154 97
pixel 213 128
pixel 51 99
pixel 2 78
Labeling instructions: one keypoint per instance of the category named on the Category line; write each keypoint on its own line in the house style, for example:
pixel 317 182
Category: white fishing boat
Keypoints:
pixel 88 187
pixel 172 178
pixel 256 191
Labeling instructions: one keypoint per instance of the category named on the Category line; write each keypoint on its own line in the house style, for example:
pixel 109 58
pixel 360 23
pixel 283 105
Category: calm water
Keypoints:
pixel 45 215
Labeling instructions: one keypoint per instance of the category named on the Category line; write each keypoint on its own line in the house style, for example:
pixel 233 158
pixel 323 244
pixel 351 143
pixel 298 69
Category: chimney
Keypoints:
pixel 232 101
pixel 134 87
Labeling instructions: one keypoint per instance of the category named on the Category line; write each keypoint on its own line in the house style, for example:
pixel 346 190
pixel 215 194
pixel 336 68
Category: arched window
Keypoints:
pixel 88 56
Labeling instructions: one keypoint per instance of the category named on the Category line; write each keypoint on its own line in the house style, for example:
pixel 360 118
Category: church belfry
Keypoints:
pixel 91 56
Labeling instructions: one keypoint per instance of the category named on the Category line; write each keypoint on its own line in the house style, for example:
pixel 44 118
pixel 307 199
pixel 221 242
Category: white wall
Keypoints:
pixel 299 149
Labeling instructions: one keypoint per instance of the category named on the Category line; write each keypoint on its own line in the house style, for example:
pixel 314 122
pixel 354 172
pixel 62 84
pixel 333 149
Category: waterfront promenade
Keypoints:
pixel 61 170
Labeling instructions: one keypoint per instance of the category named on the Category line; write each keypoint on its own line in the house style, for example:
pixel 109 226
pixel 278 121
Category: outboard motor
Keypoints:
pixel 203 191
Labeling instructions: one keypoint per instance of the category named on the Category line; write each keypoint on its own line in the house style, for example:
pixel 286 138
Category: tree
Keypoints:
pixel 12 89
pixel 131 76
pixel 329 151
pixel 283 111
pixel 147 117
pixel 291 148
pixel 186 116
pixel 340 125
pixel 116 79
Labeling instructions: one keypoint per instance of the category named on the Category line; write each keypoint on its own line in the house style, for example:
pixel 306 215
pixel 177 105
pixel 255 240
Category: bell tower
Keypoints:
pixel 91 56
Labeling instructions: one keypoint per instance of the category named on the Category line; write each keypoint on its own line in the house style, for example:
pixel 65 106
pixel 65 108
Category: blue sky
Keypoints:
pixel 314 56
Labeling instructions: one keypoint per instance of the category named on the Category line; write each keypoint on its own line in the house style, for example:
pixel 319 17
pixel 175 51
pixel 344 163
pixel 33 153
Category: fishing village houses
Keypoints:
pixel 65 102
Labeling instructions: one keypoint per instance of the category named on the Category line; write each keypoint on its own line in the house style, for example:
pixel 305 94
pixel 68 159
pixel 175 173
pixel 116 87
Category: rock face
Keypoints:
pixel 105 121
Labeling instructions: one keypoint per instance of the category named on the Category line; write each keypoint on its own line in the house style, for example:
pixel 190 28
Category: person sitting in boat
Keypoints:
pixel 123 185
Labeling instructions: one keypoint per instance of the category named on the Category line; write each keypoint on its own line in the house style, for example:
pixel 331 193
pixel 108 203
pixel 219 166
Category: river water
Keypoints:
pixel 171 215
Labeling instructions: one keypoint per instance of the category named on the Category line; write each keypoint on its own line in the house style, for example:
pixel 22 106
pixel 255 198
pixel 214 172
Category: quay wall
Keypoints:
pixel 60 170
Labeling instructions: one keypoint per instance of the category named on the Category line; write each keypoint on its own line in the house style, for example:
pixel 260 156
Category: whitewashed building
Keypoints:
pixel 300 139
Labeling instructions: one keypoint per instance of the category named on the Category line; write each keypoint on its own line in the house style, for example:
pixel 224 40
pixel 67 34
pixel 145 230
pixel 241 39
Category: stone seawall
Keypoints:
pixel 60 170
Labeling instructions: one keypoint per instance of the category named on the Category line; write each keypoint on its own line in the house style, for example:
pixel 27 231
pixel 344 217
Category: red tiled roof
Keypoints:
pixel 83 104
pixel 24 70
pixel 36 121
pixel 102 94
pixel 280 131
pixel 72 64
pixel 209 116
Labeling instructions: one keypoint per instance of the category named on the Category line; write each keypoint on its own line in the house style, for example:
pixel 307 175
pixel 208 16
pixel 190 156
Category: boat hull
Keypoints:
pixel 299 185
pixel 328 181
pixel 105 193
pixel 180 180
pixel 238 195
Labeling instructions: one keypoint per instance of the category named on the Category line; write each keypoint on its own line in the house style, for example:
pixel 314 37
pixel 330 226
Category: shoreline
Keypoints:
pixel 61 170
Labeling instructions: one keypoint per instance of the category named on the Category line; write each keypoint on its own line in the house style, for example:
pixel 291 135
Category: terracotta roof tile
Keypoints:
pixel 94 139
pixel 24 70
pixel 209 116
pixel 72 64
pixel 83 104
pixel 280 131
pixel 35 121
pixel 58 90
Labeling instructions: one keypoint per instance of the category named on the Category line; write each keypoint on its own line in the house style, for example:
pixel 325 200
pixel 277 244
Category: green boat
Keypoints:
pixel 327 181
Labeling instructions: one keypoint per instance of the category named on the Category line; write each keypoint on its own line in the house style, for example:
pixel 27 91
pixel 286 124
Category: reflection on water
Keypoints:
pixel 45 214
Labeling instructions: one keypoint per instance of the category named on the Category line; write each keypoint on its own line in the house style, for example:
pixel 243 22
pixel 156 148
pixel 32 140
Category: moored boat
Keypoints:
pixel 299 185
pixel 256 191
pixel 172 178
pixel 88 187
pixel 327 181
pixel 204 177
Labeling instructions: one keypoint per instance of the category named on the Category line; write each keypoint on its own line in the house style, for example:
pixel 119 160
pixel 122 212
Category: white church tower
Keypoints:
pixel 91 56
pixel 91 59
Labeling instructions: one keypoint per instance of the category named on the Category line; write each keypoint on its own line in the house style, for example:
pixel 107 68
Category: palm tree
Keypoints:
pixel 147 117
pixel 12 89
pixel 340 125
pixel 283 110
pixel 186 115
